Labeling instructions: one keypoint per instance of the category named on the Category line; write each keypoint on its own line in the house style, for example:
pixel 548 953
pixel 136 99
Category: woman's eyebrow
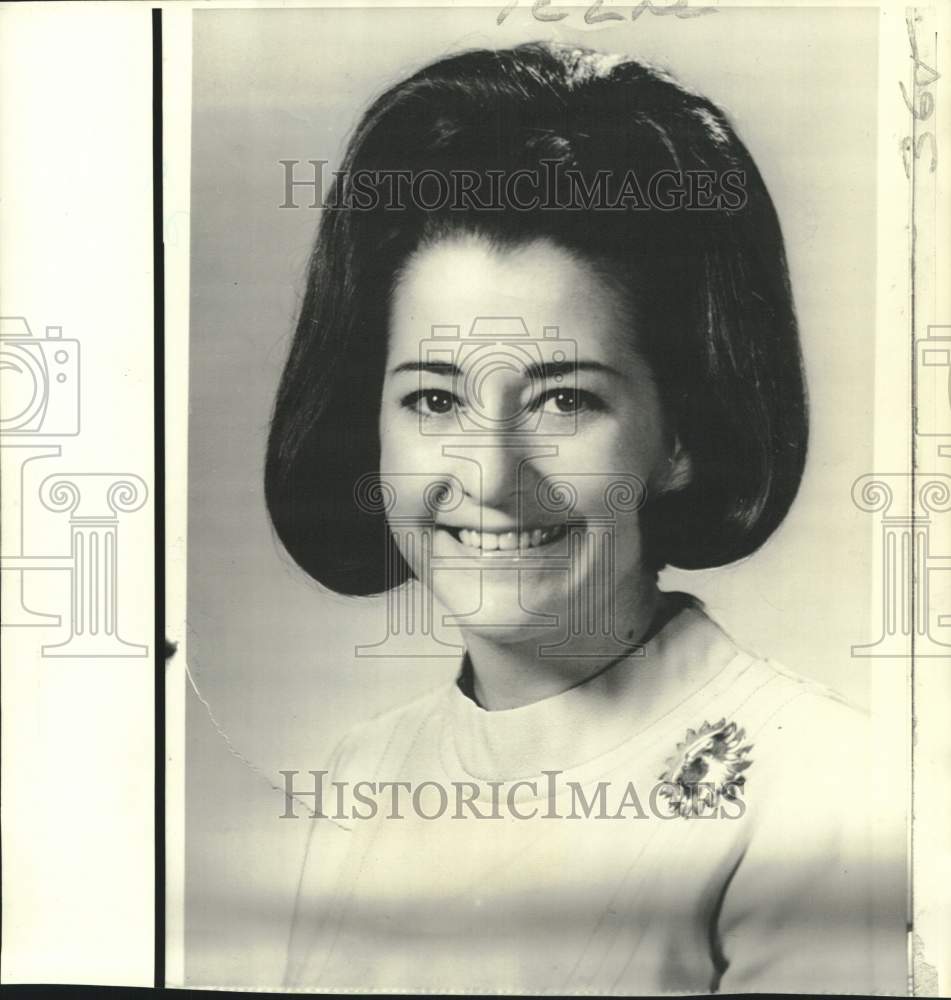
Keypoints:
pixel 433 367
pixel 535 370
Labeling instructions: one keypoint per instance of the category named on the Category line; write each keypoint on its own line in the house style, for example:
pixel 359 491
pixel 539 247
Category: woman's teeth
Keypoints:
pixel 509 540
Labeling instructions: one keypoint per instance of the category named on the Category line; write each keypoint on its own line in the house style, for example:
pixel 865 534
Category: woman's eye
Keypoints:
pixel 567 401
pixel 431 402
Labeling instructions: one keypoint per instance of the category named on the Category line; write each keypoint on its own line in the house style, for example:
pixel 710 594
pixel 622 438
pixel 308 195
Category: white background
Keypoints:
pixel 76 238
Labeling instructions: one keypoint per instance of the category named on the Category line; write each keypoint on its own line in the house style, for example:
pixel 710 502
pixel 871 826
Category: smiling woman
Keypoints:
pixel 552 405
pixel 602 409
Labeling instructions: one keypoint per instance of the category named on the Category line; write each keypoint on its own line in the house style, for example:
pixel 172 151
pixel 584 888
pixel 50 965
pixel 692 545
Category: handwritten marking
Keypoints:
pixel 924 76
pixel 597 13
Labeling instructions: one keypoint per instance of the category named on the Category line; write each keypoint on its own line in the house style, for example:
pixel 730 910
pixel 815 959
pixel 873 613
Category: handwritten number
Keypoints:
pixel 909 149
pixel 933 74
pixel 925 105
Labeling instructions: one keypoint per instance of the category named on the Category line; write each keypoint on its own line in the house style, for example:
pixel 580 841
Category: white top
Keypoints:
pixel 762 877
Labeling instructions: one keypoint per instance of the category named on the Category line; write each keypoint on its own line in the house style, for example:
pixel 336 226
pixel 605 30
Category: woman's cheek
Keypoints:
pixel 637 445
pixel 409 464
pixel 604 446
pixel 400 438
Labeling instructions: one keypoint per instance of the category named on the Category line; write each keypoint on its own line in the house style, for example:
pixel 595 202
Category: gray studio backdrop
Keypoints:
pixel 270 652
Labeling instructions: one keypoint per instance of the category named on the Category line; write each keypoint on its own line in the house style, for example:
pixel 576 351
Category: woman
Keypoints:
pixel 548 320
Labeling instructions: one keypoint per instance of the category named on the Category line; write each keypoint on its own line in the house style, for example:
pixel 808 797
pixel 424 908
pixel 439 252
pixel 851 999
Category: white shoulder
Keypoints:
pixel 788 710
pixel 372 746
pixel 817 902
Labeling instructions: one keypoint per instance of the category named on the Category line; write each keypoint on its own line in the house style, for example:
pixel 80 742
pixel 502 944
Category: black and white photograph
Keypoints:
pixel 476 492
pixel 530 376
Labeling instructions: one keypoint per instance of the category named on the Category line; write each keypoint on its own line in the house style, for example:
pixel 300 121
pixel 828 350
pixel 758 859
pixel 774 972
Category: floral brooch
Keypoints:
pixel 706 767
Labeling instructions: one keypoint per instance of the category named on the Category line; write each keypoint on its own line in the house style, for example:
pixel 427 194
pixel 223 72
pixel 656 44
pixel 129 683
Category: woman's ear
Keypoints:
pixel 679 468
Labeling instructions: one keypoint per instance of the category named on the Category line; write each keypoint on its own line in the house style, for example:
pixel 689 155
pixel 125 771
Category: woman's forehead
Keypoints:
pixel 465 281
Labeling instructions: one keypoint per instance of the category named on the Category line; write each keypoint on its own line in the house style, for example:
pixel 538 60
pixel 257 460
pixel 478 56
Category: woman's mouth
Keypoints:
pixel 489 541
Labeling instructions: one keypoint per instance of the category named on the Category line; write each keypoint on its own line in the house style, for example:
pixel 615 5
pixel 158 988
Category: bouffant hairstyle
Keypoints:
pixel 708 285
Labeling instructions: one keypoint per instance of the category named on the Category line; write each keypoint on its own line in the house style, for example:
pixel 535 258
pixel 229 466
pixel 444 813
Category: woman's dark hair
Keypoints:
pixel 707 283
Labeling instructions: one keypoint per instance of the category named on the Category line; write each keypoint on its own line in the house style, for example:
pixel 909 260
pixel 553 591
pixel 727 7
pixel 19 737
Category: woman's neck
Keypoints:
pixel 510 675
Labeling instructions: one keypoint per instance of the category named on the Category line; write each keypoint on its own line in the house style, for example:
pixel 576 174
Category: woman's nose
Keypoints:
pixel 496 483
pixel 497 470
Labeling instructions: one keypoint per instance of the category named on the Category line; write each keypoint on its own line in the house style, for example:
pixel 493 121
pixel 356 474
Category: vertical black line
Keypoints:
pixel 158 386
pixel 911 14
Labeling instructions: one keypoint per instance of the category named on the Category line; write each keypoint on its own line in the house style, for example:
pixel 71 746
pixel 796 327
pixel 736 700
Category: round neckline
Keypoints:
pixel 613 708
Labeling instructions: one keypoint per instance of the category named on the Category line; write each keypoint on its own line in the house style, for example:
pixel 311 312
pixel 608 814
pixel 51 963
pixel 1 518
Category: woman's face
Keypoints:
pixel 510 371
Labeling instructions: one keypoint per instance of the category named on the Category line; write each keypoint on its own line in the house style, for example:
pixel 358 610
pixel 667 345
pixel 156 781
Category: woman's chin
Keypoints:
pixel 505 616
